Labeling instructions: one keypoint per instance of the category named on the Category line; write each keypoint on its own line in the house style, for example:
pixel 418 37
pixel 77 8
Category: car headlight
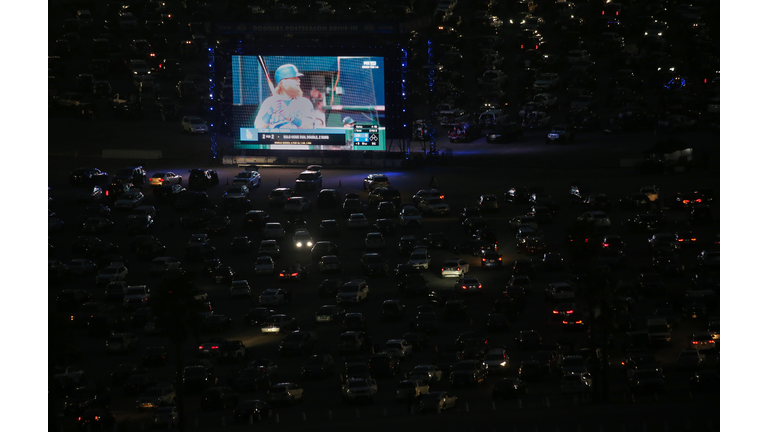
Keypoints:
pixel 298 244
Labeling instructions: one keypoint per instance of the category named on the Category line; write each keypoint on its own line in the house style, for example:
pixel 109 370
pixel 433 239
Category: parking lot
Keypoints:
pixel 458 193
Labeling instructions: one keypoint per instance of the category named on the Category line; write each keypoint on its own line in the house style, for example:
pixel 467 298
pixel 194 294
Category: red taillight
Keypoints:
pixel 458 269
pixel 693 239
pixel 565 322
pixel 695 342
pixel 463 287
pixel 686 201
pixel 282 274
pixel 712 341
pixel 605 245
pixel 537 47
pixel 480 286
pixel 521 46
pixel 569 312
pixel 499 259
pixel 294 274
pixel 106 192
pixel 603 13
pixel 442 196
pixel 555 312
pixel 579 322
pixel 215 347
pixel 200 347
pixel 483 259
pixel 679 240
pixel 617 13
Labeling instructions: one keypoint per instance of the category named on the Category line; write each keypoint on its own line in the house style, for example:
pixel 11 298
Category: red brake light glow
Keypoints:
pixel 569 312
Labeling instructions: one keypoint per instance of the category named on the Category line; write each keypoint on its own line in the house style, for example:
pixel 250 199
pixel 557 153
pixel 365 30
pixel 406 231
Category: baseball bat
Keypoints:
pixel 266 74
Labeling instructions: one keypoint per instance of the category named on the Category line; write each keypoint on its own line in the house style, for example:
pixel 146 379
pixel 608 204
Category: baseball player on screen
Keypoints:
pixel 286 108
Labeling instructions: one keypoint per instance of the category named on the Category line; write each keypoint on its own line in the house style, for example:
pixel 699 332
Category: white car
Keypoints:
pixel 596 218
pixel 160 265
pixel 111 273
pixel 427 373
pixel 251 179
pixel 240 288
pixel 545 100
pixel 122 343
pixel 399 348
pixel 129 200
pixel 285 393
pixel 164 178
pixel 329 263
pixel 357 220
pixel 269 247
pixel 420 259
pixel 409 215
pixel 297 205
pixel 374 240
pixel 264 265
pixel 576 383
pixel 80 267
pixel 547 81
pixel 493 76
pixel 273 230
pixel 352 292
pixel 273 297
pixel 454 267
pixel 373 181
pixel 193 124
pixel 425 194
pixel 435 206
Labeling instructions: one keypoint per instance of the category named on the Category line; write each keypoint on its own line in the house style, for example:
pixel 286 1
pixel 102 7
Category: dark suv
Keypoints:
pixel 203 178
pixel 131 174
pixel 309 180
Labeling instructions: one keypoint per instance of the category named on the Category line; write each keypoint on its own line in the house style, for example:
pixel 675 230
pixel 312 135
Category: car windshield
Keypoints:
pixel 358 384
pixel 294 337
pixel 306 176
pixel 134 291
pixel 419 256
pixel 196 121
pixel 495 357
pixel 464 366
pixel 573 361
pixel 348 289
pixel 154 391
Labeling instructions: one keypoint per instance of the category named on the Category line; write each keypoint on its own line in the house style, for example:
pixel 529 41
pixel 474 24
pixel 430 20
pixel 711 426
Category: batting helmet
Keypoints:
pixel 348 120
pixel 286 71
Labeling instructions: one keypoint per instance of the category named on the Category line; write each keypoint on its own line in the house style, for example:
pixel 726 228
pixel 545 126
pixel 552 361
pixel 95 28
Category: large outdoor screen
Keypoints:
pixel 308 103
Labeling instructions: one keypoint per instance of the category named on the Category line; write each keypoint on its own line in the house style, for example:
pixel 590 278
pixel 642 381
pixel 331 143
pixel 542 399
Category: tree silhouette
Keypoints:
pixel 176 308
